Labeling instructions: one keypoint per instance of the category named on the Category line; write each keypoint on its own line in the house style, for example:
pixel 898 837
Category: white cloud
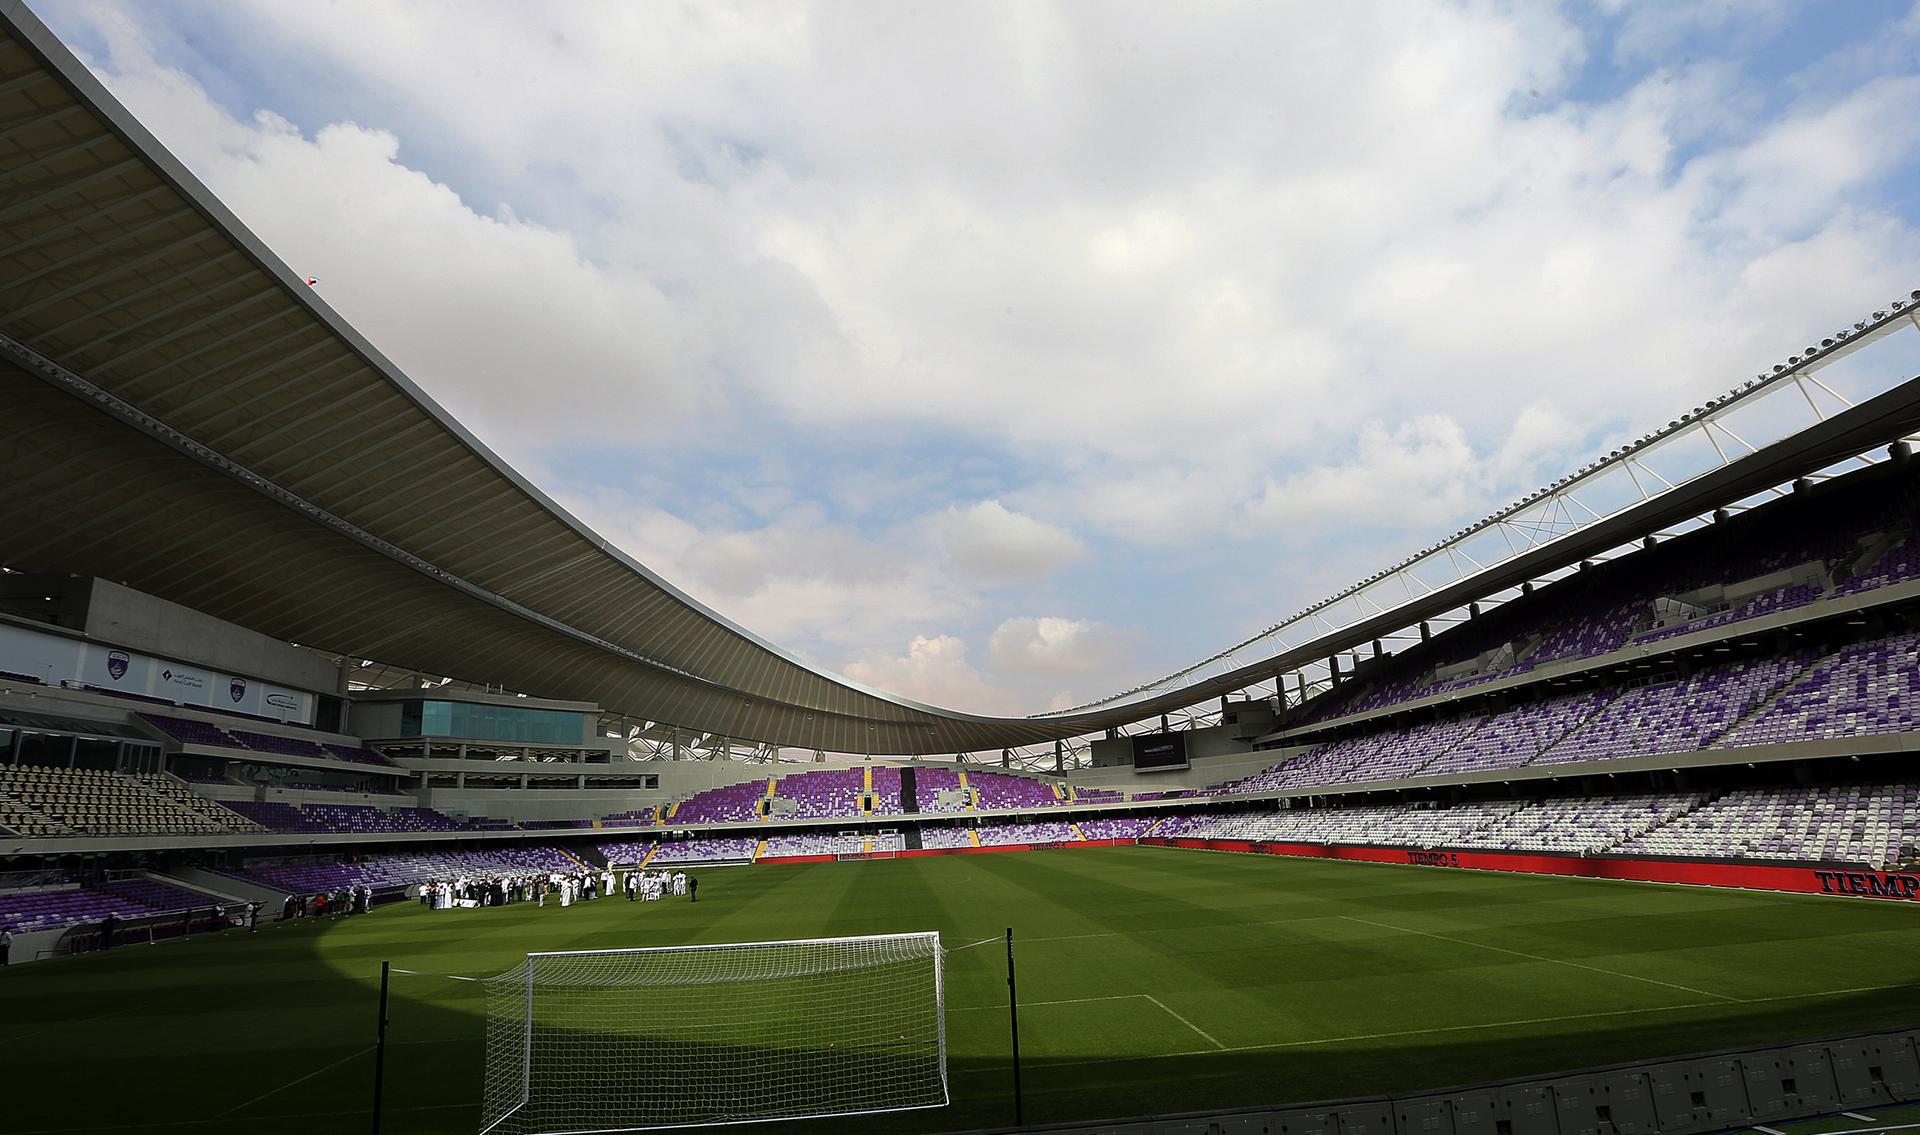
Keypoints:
pixel 1054 645
pixel 1190 276
pixel 933 671
pixel 800 580
pixel 989 542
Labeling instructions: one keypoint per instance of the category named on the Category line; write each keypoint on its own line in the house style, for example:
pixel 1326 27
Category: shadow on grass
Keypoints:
pixel 273 1032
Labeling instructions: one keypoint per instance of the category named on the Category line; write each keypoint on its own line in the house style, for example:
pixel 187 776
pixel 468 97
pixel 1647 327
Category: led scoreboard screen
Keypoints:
pixel 1154 751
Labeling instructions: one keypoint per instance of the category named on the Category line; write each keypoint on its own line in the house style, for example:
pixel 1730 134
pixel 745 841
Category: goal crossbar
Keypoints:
pixel 931 937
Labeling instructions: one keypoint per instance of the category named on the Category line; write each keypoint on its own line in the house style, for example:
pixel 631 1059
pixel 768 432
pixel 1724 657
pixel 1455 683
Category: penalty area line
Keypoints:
pixel 1038 1004
pixel 1207 1036
pixel 1543 958
pixel 1161 1005
pixel 298 1082
pixel 1437 1029
pixel 151 1124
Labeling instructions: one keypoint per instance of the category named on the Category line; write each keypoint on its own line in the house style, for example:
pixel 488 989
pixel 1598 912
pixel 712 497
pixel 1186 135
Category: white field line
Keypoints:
pixel 1308 1043
pixel 1542 958
pixel 1019 941
pixel 296 1083
pixel 1037 1004
pixel 60 1024
pixel 150 1124
pixel 1207 1036
pixel 1164 1008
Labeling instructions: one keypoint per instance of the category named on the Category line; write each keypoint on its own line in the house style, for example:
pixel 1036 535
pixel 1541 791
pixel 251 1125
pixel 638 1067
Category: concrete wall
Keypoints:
pixel 1216 753
pixel 376 713
pixel 374 718
pixel 678 780
pixel 137 621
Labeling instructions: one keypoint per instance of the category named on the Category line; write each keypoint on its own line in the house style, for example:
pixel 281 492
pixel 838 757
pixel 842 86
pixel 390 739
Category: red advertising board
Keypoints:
pixel 919 851
pixel 1750 876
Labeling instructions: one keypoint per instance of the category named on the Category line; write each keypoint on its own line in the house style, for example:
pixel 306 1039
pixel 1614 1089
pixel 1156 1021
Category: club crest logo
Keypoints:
pixel 237 689
pixel 117 663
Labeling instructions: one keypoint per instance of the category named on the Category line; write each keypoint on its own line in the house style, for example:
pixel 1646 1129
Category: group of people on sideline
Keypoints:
pixel 356 899
pixel 563 887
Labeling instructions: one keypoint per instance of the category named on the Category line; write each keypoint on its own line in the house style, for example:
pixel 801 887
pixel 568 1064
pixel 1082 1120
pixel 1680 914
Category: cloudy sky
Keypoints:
pixel 1004 355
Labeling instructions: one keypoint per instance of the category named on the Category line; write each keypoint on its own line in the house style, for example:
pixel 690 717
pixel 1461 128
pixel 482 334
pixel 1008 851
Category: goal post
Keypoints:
pixel 689 1036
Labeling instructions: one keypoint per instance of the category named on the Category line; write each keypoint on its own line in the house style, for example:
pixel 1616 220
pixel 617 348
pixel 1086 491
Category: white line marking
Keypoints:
pixel 65 1023
pixel 1767 1130
pixel 1209 1037
pixel 149 1124
pixel 1553 961
pixel 1037 1004
pixel 1166 930
pixel 1164 1008
pixel 1500 1025
pixel 296 1083
pixel 1857 1115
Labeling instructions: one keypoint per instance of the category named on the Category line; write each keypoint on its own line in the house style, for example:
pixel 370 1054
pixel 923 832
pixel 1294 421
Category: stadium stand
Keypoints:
pixel 190 731
pixel 729 803
pixel 277 816
pixel 1005 790
pixel 699 850
pixel 839 844
pixel 1046 831
pixel 1116 827
pixel 947 837
pixel 98 803
pixel 1767 560
pixel 155 895
pixel 27 911
pixel 1869 687
pixel 1875 824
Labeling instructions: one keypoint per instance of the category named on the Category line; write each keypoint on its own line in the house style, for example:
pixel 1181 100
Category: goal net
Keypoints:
pixel 685 1036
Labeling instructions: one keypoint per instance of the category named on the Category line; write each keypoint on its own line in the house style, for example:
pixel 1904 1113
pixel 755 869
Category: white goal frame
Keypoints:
pixel 938 955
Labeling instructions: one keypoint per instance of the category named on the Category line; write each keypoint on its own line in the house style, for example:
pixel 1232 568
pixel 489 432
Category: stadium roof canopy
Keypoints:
pixel 181 412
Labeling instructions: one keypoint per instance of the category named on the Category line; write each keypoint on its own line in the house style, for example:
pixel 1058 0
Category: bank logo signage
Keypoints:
pixel 1869 884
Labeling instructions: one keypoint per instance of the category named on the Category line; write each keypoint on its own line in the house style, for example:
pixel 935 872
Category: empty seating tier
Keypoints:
pixel 95 803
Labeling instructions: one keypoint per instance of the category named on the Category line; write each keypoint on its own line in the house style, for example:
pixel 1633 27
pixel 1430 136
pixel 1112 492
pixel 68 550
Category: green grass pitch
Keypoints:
pixel 1151 981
